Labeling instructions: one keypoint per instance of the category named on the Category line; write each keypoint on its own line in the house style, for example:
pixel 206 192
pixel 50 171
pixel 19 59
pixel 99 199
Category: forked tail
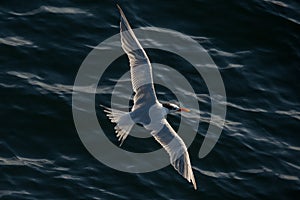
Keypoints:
pixel 123 121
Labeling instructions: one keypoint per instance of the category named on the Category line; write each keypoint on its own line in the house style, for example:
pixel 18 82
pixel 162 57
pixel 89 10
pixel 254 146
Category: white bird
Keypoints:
pixel 147 110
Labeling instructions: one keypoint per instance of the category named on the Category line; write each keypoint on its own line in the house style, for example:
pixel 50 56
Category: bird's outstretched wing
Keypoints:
pixel 176 149
pixel 140 66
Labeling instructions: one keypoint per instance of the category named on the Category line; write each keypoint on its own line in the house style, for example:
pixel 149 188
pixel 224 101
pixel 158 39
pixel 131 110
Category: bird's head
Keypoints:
pixel 172 108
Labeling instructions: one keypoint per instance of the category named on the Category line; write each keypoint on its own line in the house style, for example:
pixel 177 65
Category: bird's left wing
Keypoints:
pixel 140 66
pixel 176 149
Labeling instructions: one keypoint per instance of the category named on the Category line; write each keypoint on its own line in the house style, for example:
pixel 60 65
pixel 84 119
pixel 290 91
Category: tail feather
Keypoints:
pixel 123 121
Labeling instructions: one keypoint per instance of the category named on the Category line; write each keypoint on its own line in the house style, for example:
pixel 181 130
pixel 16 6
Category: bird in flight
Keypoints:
pixel 147 110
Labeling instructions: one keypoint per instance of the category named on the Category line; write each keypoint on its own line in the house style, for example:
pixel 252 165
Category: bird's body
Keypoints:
pixel 147 110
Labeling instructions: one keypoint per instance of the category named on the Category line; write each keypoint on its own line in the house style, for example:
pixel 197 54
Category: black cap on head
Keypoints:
pixel 170 106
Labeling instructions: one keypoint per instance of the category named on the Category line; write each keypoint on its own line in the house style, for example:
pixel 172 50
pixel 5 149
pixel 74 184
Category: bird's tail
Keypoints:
pixel 123 121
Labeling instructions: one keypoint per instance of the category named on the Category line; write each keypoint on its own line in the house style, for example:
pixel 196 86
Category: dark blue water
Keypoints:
pixel 254 43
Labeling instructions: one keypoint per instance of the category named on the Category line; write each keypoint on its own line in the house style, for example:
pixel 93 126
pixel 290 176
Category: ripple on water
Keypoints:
pixel 53 9
pixel 17 41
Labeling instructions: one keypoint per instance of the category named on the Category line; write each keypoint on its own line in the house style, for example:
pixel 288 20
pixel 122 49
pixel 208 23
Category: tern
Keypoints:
pixel 147 110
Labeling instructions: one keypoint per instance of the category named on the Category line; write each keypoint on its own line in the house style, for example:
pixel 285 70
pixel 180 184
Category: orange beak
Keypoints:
pixel 184 110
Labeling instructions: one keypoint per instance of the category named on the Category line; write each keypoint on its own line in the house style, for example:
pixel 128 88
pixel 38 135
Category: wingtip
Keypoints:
pixel 194 184
pixel 120 9
pixel 193 180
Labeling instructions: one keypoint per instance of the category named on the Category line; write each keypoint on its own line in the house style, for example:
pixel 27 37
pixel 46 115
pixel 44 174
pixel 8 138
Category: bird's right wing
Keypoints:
pixel 176 149
pixel 140 66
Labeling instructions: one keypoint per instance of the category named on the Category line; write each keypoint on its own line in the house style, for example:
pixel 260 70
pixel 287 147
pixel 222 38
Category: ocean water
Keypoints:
pixel 255 45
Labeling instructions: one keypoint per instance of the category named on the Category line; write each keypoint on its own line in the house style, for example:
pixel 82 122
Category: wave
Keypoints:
pixel 54 10
pixel 16 41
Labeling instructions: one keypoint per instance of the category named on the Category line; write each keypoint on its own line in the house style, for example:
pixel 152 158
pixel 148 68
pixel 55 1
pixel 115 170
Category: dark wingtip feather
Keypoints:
pixel 119 7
